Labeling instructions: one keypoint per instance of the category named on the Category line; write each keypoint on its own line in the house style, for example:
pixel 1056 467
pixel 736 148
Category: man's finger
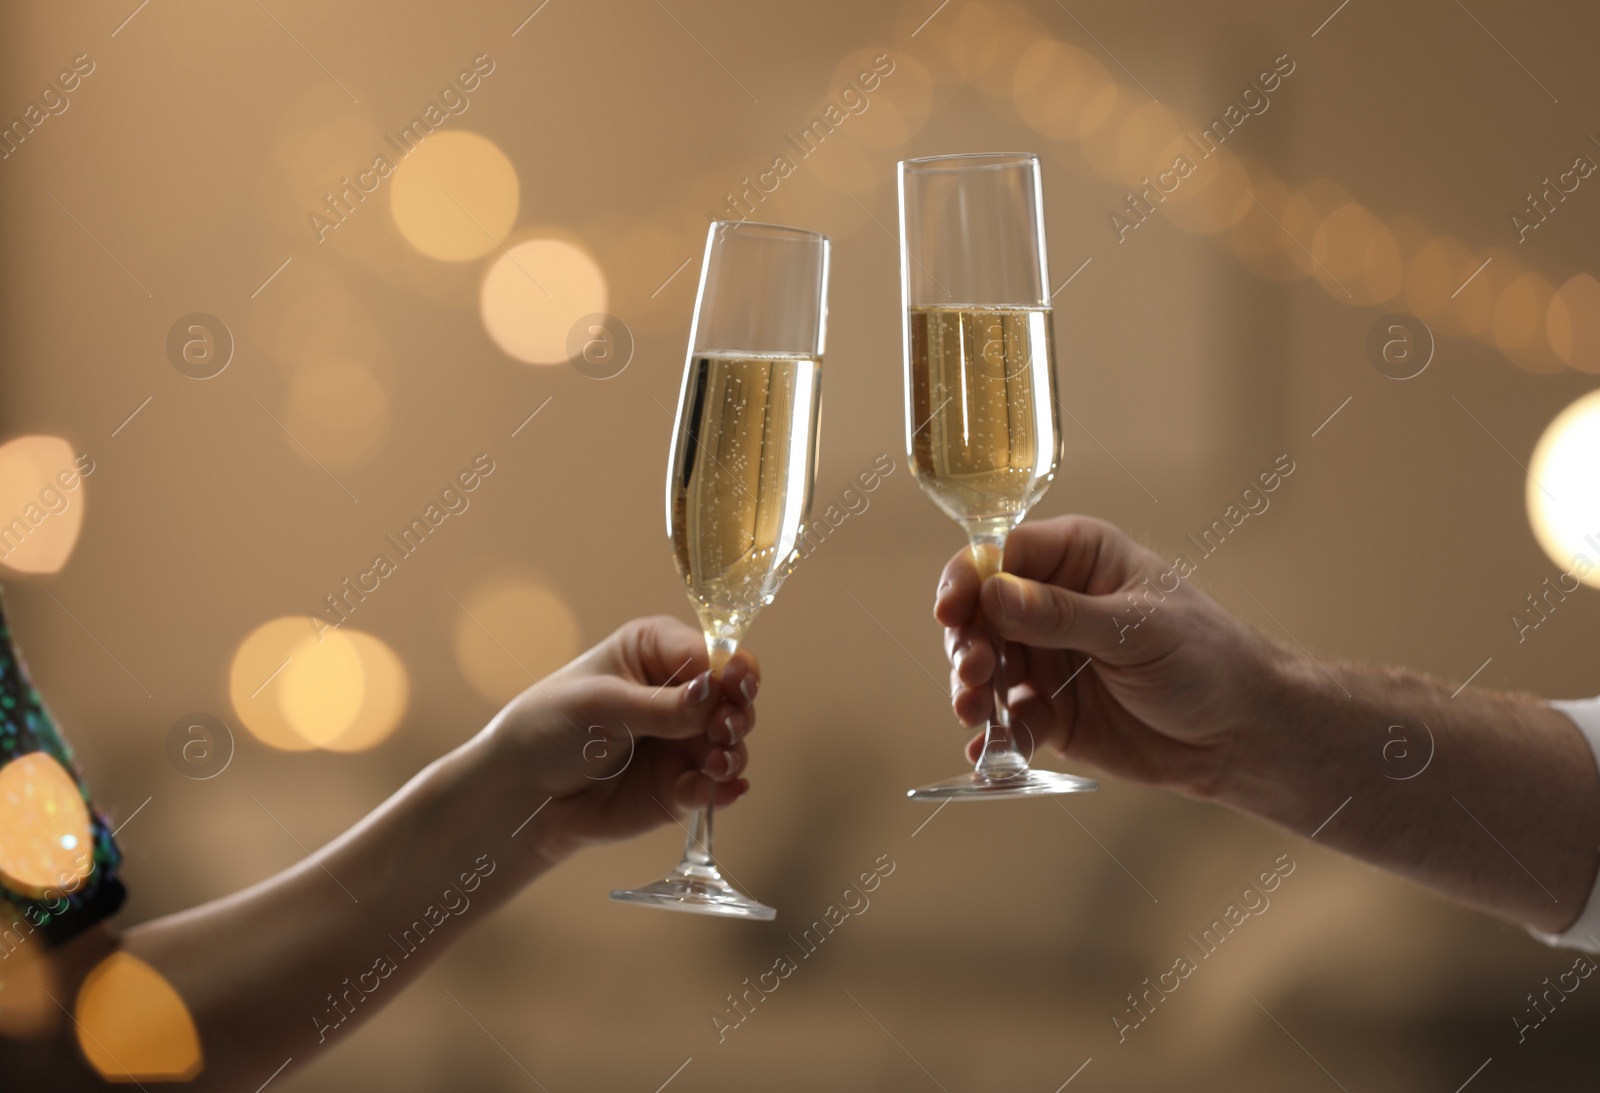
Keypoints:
pixel 1079 553
pixel 1051 617
pixel 972 705
pixel 957 598
pixel 971 655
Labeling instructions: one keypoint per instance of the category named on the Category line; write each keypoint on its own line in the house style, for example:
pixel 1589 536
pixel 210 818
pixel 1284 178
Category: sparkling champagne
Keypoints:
pixel 740 486
pixel 981 388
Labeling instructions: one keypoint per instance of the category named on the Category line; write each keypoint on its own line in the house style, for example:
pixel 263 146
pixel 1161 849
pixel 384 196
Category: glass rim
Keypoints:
pixel 758 227
pixel 970 161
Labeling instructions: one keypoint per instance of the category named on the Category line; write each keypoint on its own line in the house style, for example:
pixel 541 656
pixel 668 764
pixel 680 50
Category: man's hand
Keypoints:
pixel 1162 679
pixel 631 735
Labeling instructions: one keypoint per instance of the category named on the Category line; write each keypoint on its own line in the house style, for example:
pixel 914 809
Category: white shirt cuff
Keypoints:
pixel 1585 933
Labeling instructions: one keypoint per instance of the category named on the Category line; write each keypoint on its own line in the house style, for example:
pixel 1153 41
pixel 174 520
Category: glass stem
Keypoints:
pixel 697 850
pixel 1001 757
pixel 697 856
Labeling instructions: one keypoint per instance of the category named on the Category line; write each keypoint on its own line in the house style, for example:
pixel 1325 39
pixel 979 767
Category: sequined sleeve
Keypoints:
pixel 58 860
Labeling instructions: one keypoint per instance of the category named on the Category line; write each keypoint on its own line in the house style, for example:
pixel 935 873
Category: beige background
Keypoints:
pixel 993 956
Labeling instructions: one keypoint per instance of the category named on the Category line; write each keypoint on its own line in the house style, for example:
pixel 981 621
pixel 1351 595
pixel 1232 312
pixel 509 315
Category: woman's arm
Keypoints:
pixel 601 750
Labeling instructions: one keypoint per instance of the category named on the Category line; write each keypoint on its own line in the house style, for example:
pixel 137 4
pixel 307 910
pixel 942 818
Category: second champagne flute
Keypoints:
pixel 982 426
pixel 744 454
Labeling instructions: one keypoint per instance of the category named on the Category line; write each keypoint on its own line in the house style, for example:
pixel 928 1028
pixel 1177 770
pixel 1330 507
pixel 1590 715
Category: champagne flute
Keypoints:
pixel 982 428
pixel 744 455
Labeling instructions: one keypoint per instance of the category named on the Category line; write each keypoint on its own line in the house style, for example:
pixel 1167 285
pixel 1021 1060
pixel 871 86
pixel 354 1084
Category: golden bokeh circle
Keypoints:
pixel 1148 140
pixel 1572 324
pixel 1563 490
pixel 987 39
pixel 349 694
pixel 897 107
pixel 253 672
pixel 29 975
pixel 45 835
pixel 337 409
pixel 1432 276
pixel 297 683
pixel 41 503
pixel 322 687
pixel 1215 196
pixel 1302 217
pixel 514 631
pixel 1518 326
pixel 1061 91
pixel 133 1025
pixel 1356 249
pixel 1480 281
pixel 533 294
pixel 455 197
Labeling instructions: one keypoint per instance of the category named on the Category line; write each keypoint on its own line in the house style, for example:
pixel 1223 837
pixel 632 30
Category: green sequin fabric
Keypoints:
pixel 26 727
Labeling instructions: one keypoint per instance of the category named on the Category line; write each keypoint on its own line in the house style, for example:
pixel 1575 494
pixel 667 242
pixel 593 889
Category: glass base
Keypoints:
pixel 702 892
pixel 1027 783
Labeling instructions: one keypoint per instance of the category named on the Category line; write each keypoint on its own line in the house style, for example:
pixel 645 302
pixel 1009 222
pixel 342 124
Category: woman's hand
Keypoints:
pixel 635 733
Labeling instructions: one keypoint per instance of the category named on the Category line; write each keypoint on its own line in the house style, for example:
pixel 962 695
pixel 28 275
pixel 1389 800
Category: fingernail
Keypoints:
pixel 1008 590
pixel 729 760
pixel 700 689
pixel 748 687
pixel 725 731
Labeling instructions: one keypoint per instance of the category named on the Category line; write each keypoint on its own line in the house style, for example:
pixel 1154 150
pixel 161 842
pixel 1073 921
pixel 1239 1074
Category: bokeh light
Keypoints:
pixel 1572 324
pixel 1479 288
pixel 344 690
pixel 1061 91
pixel 1518 326
pixel 1563 490
pixel 898 107
pixel 337 409
pixel 1257 238
pixel 132 1024
pixel 322 688
pixel 1355 248
pixel 1215 196
pixel 28 979
pixel 40 513
pixel 320 141
pixel 1302 218
pixel 315 316
pixel 1148 139
pixel 44 826
pixel 533 294
pixel 987 40
pixel 455 197
pixel 1432 276
pixel 514 630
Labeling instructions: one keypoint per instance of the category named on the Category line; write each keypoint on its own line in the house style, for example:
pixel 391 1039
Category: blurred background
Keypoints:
pixel 275 350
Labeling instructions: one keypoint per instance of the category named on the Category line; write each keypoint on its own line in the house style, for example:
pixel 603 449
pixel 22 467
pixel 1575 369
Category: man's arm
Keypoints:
pixel 1505 817
pixel 1491 799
